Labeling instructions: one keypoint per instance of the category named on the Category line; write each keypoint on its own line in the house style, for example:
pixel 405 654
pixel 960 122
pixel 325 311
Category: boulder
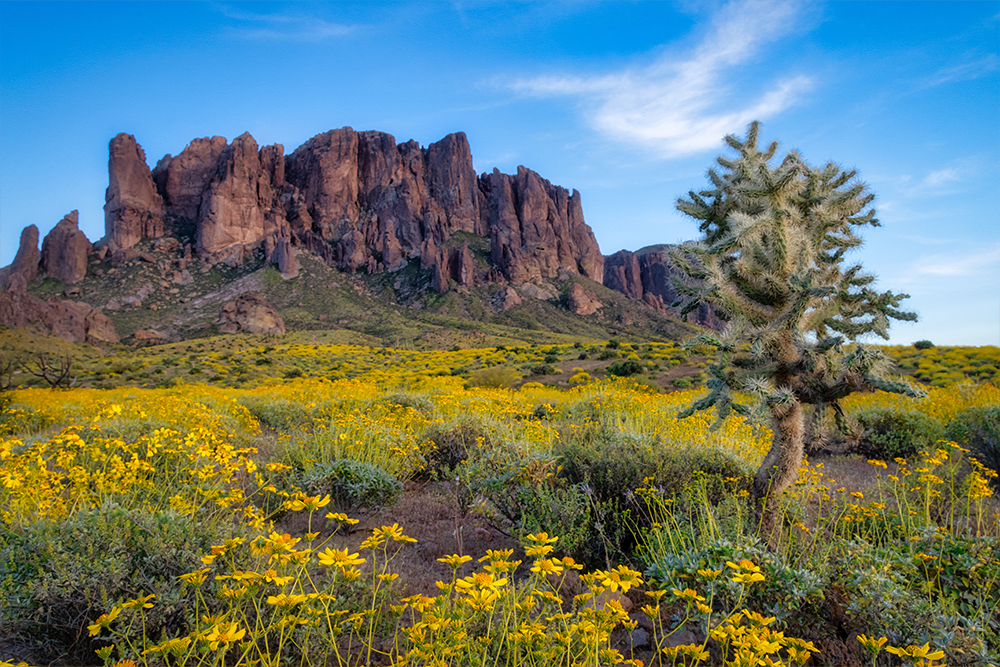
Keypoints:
pixel 72 321
pixel 250 313
pixel 64 251
pixel 505 298
pixel 133 208
pixel 582 302
pixel 284 256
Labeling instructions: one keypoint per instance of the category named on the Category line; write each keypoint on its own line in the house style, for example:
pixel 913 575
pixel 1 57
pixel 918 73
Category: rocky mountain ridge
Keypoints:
pixel 357 201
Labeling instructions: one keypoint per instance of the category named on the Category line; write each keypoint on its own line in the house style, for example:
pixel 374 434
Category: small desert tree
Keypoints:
pixel 771 264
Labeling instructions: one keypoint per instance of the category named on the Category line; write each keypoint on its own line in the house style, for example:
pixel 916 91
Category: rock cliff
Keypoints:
pixel 358 200
pixel 647 275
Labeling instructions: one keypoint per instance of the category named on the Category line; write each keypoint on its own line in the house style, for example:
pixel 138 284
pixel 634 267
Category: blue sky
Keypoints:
pixel 626 102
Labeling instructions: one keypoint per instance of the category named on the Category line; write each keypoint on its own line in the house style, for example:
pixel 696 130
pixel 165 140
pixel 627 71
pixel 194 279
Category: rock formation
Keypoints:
pixel 648 275
pixel 537 228
pixel 72 321
pixel 358 200
pixel 133 208
pixel 64 251
pixel 250 313
pixel 582 302
pixel 24 268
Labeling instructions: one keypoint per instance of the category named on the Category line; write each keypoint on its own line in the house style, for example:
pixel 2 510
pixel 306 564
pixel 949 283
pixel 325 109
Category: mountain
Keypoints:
pixel 347 215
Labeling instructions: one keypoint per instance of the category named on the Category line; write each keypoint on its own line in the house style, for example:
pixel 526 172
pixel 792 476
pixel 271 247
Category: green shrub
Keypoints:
pixel 493 377
pixel 57 576
pixel 352 485
pixel 612 471
pixel 452 447
pixel 923 345
pixel 890 433
pixel 978 429
pixel 626 368
pixel 543 369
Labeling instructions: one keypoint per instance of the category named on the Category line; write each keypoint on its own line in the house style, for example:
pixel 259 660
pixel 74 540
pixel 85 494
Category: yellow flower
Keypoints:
pixel 871 644
pixel 455 561
pixel 283 600
pixel 197 577
pixel 103 621
pixel 547 566
pixel 223 635
pixel 689 595
pixel 339 558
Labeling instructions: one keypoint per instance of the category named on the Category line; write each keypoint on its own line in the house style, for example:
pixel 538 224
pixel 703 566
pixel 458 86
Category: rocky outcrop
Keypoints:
pixel 183 179
pixel 72 321
pixel 283 256
pixel 537 228
pixel 250 313
pixel 24 268
pixel 133 208
pixel 357 199
pixel 622 274
pixel 64 251
pixel 239 207
pixel 648 275
pixel 453 264
pixel 582 302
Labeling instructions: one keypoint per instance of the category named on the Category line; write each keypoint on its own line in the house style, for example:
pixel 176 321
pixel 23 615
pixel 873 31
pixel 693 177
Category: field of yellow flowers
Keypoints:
pixel 197 524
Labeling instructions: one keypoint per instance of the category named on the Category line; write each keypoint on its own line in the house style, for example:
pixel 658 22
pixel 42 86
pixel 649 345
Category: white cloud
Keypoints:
pixel 936 179
pixel 671 105
pixel 965 72
pixel 959 264
pixel 286 27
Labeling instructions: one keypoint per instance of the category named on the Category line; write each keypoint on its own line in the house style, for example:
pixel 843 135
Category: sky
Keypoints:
pixel 626 102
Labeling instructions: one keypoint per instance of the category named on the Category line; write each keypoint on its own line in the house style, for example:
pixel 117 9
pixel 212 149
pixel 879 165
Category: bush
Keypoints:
pixel 452 447
pixel 626 368
pixel 923 345
pixel 493 377
pixel 890 433
pixel 58 576
pixel 543 369
pixel 612 471
pixel 978 429
pixel 352 485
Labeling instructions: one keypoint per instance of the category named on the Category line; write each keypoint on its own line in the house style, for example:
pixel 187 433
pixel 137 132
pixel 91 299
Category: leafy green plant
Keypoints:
pixel 352 485
pixel 889 433
pixel 626 368
pixel 56 576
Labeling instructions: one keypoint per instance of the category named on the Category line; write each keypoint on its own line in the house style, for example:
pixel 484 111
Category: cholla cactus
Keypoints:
pixel 771 264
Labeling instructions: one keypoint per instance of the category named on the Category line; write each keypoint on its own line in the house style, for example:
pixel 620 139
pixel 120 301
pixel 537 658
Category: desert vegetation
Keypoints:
pixel 199 524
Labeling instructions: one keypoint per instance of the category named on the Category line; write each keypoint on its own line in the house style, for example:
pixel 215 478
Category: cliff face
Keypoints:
pixel 359 200
pixel 647 275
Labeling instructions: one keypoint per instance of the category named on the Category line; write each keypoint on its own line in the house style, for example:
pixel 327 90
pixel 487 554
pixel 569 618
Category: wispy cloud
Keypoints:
pixel 964 72
pixel 964 264
pixel 936 179
pixel 285 27
pixel 671 105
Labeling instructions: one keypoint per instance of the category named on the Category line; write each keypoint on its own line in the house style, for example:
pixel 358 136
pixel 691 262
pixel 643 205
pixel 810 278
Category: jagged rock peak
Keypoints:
pixel 358 200
pixel 24 268
pixel 64 251
pixel 537 228
pixel 133 208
